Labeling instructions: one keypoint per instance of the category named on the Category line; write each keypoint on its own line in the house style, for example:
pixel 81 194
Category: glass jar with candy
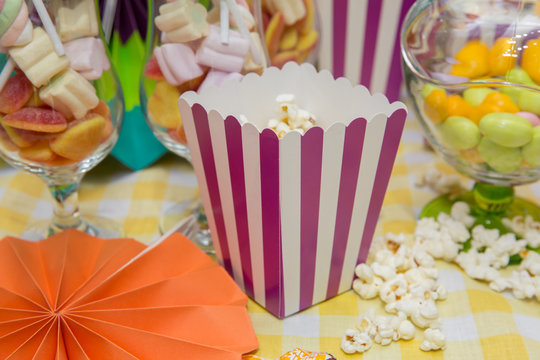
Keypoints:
pixel 60 102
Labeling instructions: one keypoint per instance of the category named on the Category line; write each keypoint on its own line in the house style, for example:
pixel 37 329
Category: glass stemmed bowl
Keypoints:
pixel 472 74
pixel 61 103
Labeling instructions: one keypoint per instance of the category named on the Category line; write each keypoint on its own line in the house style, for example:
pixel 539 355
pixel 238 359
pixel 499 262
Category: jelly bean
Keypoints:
pixel 531 151
pixel 533 118
pixel 475 96
pixel 473 60
pixel 519 76
pixel 529 101
pixel 478 112
pixel 460 133
pixel 436 105
pixel 502 56
pixel 472 155
pixel 457 106
pixel 530 59
pixel 506 129
pixel 427 89
pixel 501 100
pixel 500 158
pixel 513 92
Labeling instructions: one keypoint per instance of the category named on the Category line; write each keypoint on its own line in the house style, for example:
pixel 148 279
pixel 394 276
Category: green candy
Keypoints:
pixel 519 76
pixel 513 91
pixel 529 101
pixel 427 89
pixel 531 151
pixel 460 133
pixel 475 96
pixel 500 158
pixel 506 129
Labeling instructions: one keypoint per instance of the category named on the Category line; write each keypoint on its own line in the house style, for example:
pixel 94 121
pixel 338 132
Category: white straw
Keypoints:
pixel 108 18
pixel 244 30
pixel 224 21
pixel 49 26
pixel 6 72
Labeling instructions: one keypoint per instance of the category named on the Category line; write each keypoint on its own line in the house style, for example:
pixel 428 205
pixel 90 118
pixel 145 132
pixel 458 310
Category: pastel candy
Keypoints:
pixel 38 59
pixel 475 96
pixel 217 78
pixel 293 10
pixel 10 10
pixel 533 118
pixel 76 19
pixel 87 56
pixel 182 20
pixel 506 129
pixel 531 151
pixel 500 158
pixel 71 94
pixel 529 101
pixel 19 25
pixel 225 57
pixel 460 133
pixel 250 65
pixel 177 63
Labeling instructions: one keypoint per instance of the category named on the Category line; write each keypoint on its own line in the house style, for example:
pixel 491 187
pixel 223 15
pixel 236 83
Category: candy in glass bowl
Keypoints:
pixel 60 102
pixel 472 73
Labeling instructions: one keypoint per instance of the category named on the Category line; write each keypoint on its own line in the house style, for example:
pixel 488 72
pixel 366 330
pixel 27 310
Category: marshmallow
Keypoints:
pixel 76 19
pixel 217 78
pixel 250 65
pixel 177 63
pixel 20 31
pixel 87 56
pixel 182 21
pixel 71 94
pixel 292 10
pixel 230 57
pixel 38 59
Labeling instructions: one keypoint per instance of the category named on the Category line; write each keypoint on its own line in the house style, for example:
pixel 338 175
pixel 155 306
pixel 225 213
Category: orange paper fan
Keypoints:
pixel 74 296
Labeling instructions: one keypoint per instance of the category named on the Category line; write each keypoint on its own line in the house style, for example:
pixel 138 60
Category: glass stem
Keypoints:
pixel 66 211
pixel 492 199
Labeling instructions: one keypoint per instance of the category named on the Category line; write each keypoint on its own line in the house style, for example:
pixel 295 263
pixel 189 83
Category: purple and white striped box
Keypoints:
pixel 360 40
pixel 291 218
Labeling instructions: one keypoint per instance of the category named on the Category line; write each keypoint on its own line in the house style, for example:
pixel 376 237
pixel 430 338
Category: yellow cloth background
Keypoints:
pixel 478 322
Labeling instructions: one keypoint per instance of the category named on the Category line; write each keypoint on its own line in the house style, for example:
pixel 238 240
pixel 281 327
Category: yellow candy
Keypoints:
pixel 162 106
pixel 503 56
pixel 457 106
pixel 530 61
pixel 479 111
pixel 289 39
pixel 474 60
pixel 436 106
pixel 502 101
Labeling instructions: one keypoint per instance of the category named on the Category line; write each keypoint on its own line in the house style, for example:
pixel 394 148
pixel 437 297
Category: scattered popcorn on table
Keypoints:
pixel 291 117
pixel 440 183
pixel 434 339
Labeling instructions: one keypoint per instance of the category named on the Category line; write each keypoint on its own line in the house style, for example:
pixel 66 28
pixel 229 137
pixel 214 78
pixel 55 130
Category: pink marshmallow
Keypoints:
pixel 225 57
pixel 177 63
pixel 87 56
pixel 217 78
pixel 16 28
pixel 533 118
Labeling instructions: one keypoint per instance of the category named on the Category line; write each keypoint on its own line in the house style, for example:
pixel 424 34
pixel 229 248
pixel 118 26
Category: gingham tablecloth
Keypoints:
pixel 478 322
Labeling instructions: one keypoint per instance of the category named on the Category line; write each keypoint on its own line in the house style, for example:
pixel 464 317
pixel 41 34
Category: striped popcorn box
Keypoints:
pixel 360 40
pixel 290 218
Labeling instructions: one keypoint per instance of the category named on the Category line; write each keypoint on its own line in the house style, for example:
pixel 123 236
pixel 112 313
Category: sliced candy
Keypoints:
pixel 284 57
pixel 502 56
pixel 225 57
pixel 14 34
pixel 177 63
pixel 39 152
pixel 87 56
pixel 273 33
pixel 500 158
pixel 16 93
pixel 22 138
pixel 71 94
pixel 36 119
pixel 38 59
pixel 306 24
pixel 292 10
pixel 80 139
pixel 530 59
pixel 506 129
pixel 531 151
pixel 6 142
pixel 473 60
pixel 460 133
pixel 152 69
pixel 182 21
pixel 162 106
pixel 289 39
pixel 76 19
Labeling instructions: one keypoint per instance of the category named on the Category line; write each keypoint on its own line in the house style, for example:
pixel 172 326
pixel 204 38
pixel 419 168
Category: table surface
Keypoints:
pixel 478 322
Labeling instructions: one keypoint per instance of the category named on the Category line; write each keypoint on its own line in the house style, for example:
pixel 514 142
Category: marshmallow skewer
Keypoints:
pixel 224 21
pixel 108 18
pixel 242 27
pixel 6 72
pixel 49 26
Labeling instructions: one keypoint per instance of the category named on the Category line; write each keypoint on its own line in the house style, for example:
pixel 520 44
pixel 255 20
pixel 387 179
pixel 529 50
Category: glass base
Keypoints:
pixel 96 226
pixel 190 220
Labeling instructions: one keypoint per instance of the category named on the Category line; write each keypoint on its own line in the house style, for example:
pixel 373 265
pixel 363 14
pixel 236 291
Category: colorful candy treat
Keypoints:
pixel 531 151
pixel 530 61
pixel 152 69
pixel 293 10
pixel 505 129
pixel 460 133
pixel 533 118
pixel 502 56
pixel 5 141
pixel 38 152
pixel 250 65
pixel 217 78
pixel 177 63
pixel 182 21
pixel 9 10
pixel 76 19
pixel 22 138
pixel 475 96
pixel 225 57
pixel 273 33
pixel 457 106
pixel 500 158
pixel 80 139
pixel 16 93
pixel 529 101
pixel 436 105
pixel 162 107
pixel 38 59
pixel 20 31
pixel 36 119
pixel 87 56
pixel 473 60
pixel 502 101
pixel 70 93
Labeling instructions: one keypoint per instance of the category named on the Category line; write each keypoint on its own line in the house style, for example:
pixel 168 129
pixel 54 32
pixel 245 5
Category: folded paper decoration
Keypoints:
pixel 74 296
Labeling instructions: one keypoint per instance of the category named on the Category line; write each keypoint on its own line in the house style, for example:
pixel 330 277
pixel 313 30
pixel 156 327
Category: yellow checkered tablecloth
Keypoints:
pixel 478 323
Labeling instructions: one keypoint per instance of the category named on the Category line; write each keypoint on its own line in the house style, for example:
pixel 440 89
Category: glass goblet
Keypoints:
pixel 61 103
pixel 472 76
pixel 192 45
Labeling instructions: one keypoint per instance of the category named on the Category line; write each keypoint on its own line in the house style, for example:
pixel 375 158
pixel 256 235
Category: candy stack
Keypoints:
pixel 200 47
pixel 50 113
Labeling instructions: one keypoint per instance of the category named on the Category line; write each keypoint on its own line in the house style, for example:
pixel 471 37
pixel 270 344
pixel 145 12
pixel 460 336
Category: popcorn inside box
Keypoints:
pixel 292 215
